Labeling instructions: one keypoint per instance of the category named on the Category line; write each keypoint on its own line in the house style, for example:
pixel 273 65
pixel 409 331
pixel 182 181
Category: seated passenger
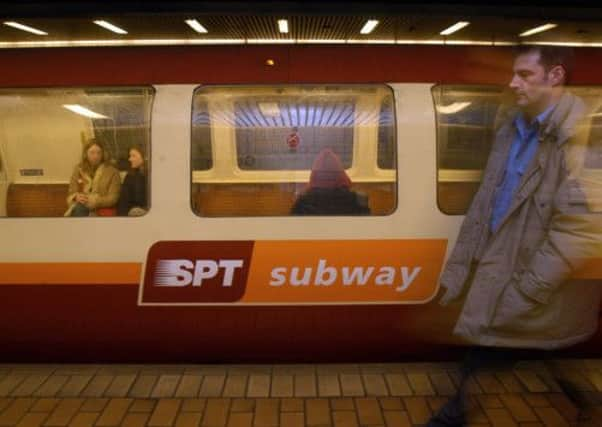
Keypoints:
pixel 329 190
pixel 95 183
pixel 133 200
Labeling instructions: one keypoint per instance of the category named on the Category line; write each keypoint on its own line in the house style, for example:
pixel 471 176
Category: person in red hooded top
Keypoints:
pixel 329 190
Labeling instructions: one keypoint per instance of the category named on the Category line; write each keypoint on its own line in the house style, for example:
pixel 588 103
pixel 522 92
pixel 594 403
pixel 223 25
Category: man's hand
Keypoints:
pixel 81 198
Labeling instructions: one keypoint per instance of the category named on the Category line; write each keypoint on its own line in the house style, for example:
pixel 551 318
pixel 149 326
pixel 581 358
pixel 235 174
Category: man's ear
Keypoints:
pixel 557 75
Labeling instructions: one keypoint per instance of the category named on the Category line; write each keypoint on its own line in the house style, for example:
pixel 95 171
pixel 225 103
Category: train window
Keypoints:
pixel 254 148
pixel 68 150
pixel 465 125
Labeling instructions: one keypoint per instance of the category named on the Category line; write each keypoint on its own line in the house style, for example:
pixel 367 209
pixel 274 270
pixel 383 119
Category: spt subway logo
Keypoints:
pixel 292 272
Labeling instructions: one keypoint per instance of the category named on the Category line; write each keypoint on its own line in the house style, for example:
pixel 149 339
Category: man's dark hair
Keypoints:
pixel 551 56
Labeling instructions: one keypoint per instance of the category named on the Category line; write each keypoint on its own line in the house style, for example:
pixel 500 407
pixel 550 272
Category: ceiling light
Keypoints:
pixel 369 26
pixel 456 27
pixel 26 28
pixel 269 109
pixel 196 26
pixel 110 27
pixel 283 25
pixel 536 30
pixel 83 111
pixel 452 108
pixel 270 41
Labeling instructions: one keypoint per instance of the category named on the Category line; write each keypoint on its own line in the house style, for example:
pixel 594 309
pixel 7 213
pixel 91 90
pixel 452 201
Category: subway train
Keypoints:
pixel 219 269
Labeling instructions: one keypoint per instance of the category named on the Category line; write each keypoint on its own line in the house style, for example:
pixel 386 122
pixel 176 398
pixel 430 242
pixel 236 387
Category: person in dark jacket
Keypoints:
pixel 329 190
pixel 133 197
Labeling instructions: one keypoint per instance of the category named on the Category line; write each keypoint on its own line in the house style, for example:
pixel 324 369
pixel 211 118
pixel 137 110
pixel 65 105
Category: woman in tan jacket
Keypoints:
pixel 95 183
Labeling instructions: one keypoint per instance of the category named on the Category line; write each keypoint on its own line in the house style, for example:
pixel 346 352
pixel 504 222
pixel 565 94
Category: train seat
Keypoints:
pixel 36 200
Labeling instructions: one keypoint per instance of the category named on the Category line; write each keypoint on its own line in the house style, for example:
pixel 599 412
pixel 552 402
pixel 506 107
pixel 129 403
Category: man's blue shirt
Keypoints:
pixel 521 153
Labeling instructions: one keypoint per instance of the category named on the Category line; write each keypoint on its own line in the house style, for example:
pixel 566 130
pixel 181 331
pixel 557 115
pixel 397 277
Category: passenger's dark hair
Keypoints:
pixel 551 56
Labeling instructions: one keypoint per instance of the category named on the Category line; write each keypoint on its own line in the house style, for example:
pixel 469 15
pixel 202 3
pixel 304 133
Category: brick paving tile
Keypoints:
pixel 242 405
pixel 476 414
pixel 236 386
pixel 64 412
pixel 375 385
pixel 165 413
pixel 391 404
pixel 294 370
pixel 114 412
pixel 240 419
pixel 259 386
pixel 509 381
pixel 32 420
pixel 328 386
pixel 368 411
pixel 135 420
pixel 166 386
pixel 292 419
pixel 344 419
pixel 84 419
pixel 15 411
pixel 500 417
pixel 212 386
pixel 142 405
pixel 74 386
pixel 536 400
pixel 9 383
pixel 490 401
pixel 120 386
pixel 291 405
pixel 397 419
pixel 351 385
pixel 282 386
pixel 143 386
pixel 531 381
pixel 531 425
pixel 189 386
pixel 489 383
pixel 340 368
pixel 77 370
pixel 193 405
pixel 305 386
pixel 578 380
pixel 97 386
pixel 29 385
pixel 373 368
pixel 436 403
pixel 317 412
pixel 520 411
pixel 188 419
pixel 51 386
pixel 418 409
pixel 249 370
pixel 442 383
pixel 420 384
pixel 266 413
pixel 551 417
pixel 342 404
pixel 95 404
pixel 216 413
pixel 4 402
pixel 473 387
pixel 564 406
pixel 398 385
pixel 45 404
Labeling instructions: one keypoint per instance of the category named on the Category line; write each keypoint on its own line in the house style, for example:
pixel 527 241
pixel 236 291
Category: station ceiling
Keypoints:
pixel 70 23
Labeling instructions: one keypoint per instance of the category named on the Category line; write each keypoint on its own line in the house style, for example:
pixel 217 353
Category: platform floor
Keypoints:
pixel 288 395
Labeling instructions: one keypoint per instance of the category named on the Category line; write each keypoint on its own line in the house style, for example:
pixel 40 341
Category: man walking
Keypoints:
pixel 530 226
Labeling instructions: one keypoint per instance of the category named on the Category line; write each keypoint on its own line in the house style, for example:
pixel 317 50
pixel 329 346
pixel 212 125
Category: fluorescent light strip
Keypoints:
pixel 196 26
pixel 536 30
pixel 26 28
pixel 270 41
pixel 360 41
pixel 283 26
pixel 83 111
pixel 369 26
pixel 321 41
pixel 456 27
pixel 110 27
